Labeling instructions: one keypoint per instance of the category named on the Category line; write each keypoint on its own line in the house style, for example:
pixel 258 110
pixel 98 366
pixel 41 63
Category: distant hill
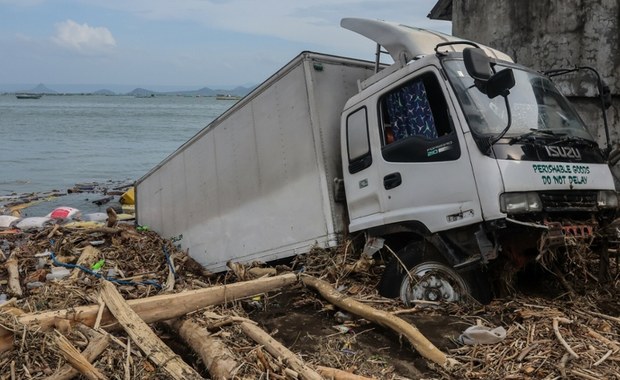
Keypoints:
pixel 139 92
pixel 205 91
pixel 104 92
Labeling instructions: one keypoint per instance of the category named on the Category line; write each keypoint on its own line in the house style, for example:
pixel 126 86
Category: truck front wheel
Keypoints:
pixel 427 277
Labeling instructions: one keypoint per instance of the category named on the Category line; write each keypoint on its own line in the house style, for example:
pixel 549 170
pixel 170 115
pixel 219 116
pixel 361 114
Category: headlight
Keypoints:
pixel 607 199
pixel 517 203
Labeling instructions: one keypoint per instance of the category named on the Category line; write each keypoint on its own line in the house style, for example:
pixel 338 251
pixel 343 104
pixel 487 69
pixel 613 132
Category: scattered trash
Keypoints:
pixel 128 198
pixel 83 225
pixel 34 284
pixel 479 334
pixel 64 213
pixel 96 242
pixel 87 186
pixel 95 217
pixel 98 265
pixel 8 221
pixel 342 317
pixel 34 222
pixel 142 228
pixel 102 201
pixel 58 273
pixel 342 328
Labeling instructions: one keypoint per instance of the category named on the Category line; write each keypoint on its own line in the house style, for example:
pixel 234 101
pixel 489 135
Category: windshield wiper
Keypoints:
pixel 531 135
pixel 576 140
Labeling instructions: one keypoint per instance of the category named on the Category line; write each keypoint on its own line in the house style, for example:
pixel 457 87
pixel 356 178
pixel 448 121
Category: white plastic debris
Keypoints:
pixel 34 222
pixel 479 334
pixel 58 273
pixel 7 221
pixel 95 217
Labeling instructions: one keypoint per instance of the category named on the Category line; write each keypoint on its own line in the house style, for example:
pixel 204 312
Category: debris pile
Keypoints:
pixel 120 302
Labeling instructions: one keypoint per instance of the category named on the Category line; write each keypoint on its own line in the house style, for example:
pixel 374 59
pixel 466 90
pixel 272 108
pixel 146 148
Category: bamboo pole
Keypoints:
pixel 154 309
pixel 96 346
pixel 216 356
pixel 78 361
pixel 276 349
pixel 156 350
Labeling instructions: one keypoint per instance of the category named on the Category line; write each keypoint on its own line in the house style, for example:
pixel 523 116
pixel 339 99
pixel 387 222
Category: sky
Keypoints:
pixel 180 44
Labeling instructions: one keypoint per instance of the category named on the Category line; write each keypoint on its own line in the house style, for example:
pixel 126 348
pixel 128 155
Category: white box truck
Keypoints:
pixel 453 155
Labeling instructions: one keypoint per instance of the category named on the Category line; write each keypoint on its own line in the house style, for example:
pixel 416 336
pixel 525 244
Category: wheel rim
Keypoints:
pixel 432 281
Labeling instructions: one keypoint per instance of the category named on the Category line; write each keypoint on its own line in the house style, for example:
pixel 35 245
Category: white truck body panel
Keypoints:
pixel 257 183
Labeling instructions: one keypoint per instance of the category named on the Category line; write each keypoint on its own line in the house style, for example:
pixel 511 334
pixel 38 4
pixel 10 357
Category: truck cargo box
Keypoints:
pixel 258 182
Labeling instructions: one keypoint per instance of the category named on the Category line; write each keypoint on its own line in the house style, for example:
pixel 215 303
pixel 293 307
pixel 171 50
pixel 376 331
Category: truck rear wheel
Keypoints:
pixel 427 277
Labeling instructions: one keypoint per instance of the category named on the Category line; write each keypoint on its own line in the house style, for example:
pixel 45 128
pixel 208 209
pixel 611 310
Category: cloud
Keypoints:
pixel 83 38
pixel 317 21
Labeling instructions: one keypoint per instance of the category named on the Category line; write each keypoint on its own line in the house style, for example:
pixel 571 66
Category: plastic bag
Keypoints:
pixel 479 334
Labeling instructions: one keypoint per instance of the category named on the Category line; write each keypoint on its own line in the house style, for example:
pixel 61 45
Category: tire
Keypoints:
pixel 428 277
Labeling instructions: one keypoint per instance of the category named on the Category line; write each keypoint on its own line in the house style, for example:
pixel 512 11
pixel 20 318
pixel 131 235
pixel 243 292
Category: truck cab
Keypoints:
pixel 458 158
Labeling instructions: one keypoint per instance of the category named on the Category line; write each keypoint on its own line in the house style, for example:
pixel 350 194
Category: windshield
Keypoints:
pixel 535 105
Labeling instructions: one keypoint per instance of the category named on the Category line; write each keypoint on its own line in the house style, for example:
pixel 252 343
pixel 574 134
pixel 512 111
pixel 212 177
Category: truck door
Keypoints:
pixel 360 172
pixel 424 163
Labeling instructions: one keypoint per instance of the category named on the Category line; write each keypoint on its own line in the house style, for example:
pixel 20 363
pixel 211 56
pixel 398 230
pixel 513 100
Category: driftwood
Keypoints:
pixel 156 350
pixel 98 343
pixel 77 360
pixel 216 356
pixel 12 267
pixel 276 349
pixel 383 318
pixel 338 374
pixel 112 219
pixel 556 330
pixel 153 309
pixel 88 257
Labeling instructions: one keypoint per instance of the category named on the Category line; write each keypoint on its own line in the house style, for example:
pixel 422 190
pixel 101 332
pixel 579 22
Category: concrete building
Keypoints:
pixel 547 35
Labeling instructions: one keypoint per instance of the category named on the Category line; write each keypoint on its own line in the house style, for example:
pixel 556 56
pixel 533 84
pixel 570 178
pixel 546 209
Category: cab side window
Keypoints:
pixel 358 142
pixel 415 123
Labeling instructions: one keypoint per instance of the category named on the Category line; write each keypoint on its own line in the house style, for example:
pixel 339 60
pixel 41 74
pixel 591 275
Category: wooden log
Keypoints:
pixel 89 256
pixel 98 343
pixel 276 349
pixel 78 361
pixel 112 219
pixel 214 353
pixel 156 350
pixel 12 267
pixel 396 324
pixel 154 309
pixel 338 374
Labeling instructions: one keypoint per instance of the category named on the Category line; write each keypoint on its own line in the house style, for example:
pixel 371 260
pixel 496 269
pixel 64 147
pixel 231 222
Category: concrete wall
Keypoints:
pixel 554 34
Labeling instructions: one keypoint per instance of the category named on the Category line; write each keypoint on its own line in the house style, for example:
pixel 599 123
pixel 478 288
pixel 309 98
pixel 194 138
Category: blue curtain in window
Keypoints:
pixel 410 112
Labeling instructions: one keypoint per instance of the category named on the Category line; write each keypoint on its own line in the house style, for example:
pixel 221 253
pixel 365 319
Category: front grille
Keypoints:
pixel 569 200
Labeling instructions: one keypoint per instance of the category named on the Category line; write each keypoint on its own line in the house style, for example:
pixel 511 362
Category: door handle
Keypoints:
pixel 392 180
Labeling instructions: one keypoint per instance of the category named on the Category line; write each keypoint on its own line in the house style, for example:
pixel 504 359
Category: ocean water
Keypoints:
pixel 55 142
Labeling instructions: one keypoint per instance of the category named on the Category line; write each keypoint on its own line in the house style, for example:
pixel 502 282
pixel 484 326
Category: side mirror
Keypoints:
pixel 500 83
pixel 477 64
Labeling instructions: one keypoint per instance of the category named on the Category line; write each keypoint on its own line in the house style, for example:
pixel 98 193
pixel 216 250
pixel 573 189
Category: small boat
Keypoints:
pixel 28 95
pixel 227 97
